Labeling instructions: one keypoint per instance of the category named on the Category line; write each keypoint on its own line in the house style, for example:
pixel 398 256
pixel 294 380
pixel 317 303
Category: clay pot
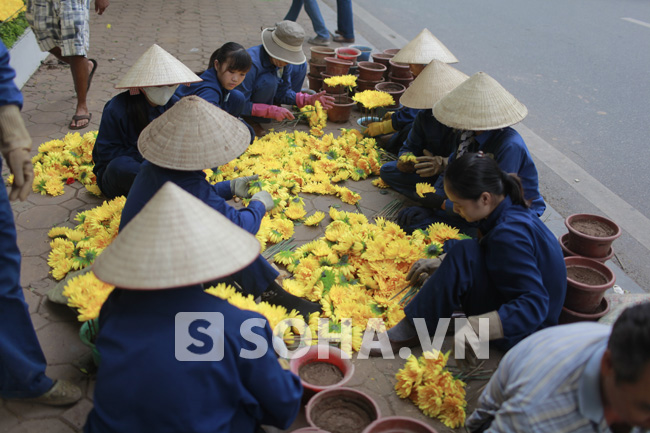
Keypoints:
pixel 403 81
pixel 316 68
pixel 318 54
pixel 401 424
pixel 340 112
pixel 383 59
pixel 371 71
pixel 365 52
pixel 335 90
pixel 336 66
pixel 394 89
pixel 331 357
pixel 392 51
pixel 596 245
pixel 587 282
pixel 348 53
pixel 342 410
pixel 400 70
pixel 367 85
pixel 564 243
pixel 315 83
pixel 570 316
pixel 309 430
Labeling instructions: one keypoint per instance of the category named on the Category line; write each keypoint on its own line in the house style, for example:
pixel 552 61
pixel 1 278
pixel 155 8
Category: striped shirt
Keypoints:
pixel 549 382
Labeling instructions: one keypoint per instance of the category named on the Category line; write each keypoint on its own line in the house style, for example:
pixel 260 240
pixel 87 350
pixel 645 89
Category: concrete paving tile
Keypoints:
pixel 42 217
pixel 38 321
pixel 33 242
pixel 60 342
pixel 31 411
pixel 77 415
pixel 39 199
pixel 21 206
pixel 32 269
pixel 88 198
pixel 42 286
pixel 32 299
pixel 44 425
pixel 70 373
pixel 49 117
pixel 72 204
pixel 57 313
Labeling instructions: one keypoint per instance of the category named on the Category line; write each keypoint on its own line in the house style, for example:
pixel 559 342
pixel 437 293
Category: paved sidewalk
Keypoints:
pixel 190 30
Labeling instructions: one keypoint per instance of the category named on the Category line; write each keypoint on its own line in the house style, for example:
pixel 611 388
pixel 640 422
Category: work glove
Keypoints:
pixel 405 167
pixel 423 269
pixel 15 144
pixel 412 215
pixel 430 165
pixel 303 99
pixel 388 115
pixel 265 198
pixel 239 186
pixel 495 332
pixel 271 112
pixel 379 128
pixel 432 201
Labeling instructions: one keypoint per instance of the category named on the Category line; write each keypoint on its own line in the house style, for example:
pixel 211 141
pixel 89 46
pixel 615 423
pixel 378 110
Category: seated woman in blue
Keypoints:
pixel 513 275
pixel 117 160
pixel 278 69
pixel 175 358
pixel 192 136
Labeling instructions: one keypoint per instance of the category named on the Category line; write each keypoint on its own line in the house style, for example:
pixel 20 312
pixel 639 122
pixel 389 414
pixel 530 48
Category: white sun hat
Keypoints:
pixel 424 48
pixel 284 42
pixel 435 81
pixel 193 135
pixel 479 104
pixel 176 240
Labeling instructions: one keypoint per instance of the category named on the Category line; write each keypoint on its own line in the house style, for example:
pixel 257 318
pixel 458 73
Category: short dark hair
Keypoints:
pixel 629 343
pixel 233 55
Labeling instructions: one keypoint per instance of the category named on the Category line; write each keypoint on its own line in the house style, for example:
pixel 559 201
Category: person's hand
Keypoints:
pixel 265 198
pixel 303 99
pixel 15 143
pixel 239 186
pixel 410 215
pixel 20 164
pixel 430 165
pixel 379 128
pixel 100 6
pixel 422 270
pixel 405 166
pixel 388 115
pixel 271 112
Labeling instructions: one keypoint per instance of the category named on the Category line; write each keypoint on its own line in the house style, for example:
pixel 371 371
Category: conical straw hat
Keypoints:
pixel 434 82
pixel 176 240
pixel 479 104
pixel 193 135
pixel 424 48
pixel 156 67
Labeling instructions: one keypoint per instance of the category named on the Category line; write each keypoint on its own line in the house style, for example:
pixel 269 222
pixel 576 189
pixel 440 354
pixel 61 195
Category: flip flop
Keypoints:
pixel 92 72
pixel 76 118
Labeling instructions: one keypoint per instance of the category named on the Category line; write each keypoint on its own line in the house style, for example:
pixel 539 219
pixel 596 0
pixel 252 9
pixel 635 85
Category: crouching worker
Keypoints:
pixel 175 358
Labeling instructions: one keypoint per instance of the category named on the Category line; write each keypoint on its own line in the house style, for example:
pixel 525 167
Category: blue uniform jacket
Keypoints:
pixel 9 93
pixel 117 135
pixel 427 133
pixel 403 117
pixel 142 387
pixel 262 71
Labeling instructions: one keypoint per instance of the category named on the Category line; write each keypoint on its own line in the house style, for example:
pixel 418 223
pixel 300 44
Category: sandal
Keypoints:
pixel 79 117
pixel 92 72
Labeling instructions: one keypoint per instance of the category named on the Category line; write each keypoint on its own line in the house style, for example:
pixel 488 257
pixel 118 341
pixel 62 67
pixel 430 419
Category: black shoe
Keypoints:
pixel 278 296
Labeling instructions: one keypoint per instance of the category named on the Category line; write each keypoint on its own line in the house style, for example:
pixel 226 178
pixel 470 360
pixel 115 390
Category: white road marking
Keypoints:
pixel 641 23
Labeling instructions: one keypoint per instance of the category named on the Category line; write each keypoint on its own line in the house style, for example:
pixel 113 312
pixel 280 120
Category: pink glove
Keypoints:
pixel 303 99
pixel 271 112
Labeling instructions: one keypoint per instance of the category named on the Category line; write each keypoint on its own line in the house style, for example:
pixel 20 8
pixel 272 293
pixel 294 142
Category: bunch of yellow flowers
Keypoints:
pixel 317 118
pixel 9 8
pixel 374 98
pixel 87 294
pixel 341 80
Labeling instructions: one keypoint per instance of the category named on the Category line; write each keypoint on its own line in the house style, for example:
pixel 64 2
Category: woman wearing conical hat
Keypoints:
pixel 482 111
pixel 174 358
pixel 191 136
pixel 151 83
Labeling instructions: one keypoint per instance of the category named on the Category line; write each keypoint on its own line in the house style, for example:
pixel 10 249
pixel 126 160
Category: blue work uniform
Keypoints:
pixel 116 156
pixel 262 85
pixel 210 89
pixel 256 277
pixel 142 386
pixel 402 121
pixel 516 268
pixel 22 364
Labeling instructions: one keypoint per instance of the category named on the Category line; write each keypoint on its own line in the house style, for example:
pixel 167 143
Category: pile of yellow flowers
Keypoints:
pixel 87 294
pixel 61 162
pixel 77 248
pixel 341 80
pixel 317 118
pixel 9 8
pixel 432 388
pixel 373 98
pixel 424 188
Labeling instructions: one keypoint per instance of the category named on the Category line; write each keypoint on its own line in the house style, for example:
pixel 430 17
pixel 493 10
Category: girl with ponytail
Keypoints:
pixel 514 275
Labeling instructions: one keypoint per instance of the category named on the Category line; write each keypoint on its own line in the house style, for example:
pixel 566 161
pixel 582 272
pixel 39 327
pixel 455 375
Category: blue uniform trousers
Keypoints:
pixel 404 183
pixel 119 176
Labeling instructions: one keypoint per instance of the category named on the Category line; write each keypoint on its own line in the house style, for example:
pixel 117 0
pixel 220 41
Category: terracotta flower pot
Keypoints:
pixel 315 83
pixel 316 68
pixel 365 52
pixel 335 90
pixel 401 424
pixel 587 281
pixel 320 371
pixel 394 89
pixel 392 51
pixel 340 112
pixel 591 235
pixel 309 430
pixel 403 81
pixel 383 58
pixel 318 54
pixel 342 410
pixel 570 316
pixel 367 85
pixel 371 71
pixel 348 53
pixel 564 243
pixel 336 66
pixel 400 70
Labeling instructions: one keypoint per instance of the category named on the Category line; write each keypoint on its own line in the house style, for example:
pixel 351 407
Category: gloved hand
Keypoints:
pixel 411 215
pixel 405 166
pixel 430 165
pixel 265 198
pixel 495 332
pixel 388 115
pixel 423 269
pixel 271 112
pixel 379 128
pixel 303 99
pixel 15 143
pixel 239 186
pixel 432 201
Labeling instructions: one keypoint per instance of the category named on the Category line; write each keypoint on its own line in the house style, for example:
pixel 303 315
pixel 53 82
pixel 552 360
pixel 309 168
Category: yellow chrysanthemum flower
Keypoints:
pixel 424 188
pixel 373 98
pixel 314 219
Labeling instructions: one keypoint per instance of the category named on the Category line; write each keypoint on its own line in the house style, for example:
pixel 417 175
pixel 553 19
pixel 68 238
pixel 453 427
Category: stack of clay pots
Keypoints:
pixel 317 66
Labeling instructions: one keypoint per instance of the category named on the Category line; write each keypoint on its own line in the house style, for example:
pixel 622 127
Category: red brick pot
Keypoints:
pixel 589 245
pixel 318 54
pixel 371 71
pixel 583 297
pixel 340 112
pixel 336 66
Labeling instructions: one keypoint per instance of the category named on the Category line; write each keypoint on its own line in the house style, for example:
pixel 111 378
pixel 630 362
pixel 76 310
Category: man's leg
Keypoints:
pixel 80 67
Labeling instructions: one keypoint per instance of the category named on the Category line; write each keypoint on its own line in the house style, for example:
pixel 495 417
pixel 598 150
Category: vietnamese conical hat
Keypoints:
pixel 193 135
pixel 176 240
pixel 156 67
pixel 424 48
pixel 434 82
pixel 479 104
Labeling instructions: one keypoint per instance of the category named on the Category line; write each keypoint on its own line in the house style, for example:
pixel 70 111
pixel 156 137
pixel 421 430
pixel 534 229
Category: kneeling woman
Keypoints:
pixel 514 275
